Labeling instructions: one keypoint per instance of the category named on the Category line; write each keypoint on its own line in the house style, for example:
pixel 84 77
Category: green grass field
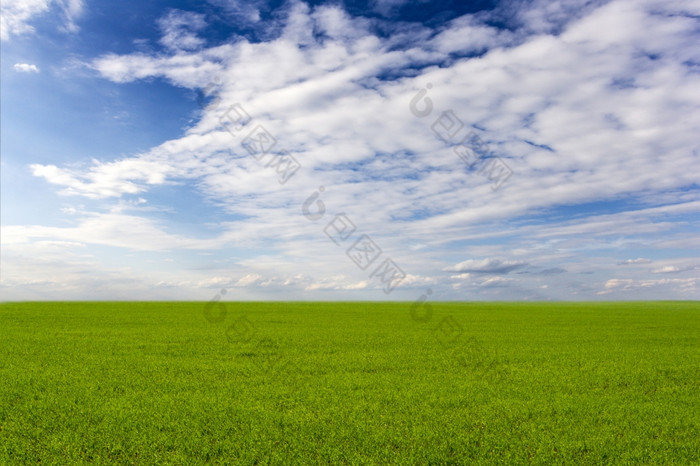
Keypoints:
pixel 350 383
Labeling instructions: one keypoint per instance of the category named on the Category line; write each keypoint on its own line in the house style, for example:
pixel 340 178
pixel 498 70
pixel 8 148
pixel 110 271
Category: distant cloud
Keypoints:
pixel 682 285
pixel 635 261
pixel 674 269
pixel 26 68
pixel 667 269
pixel 495 282
pixel 552 271
pixel 487 266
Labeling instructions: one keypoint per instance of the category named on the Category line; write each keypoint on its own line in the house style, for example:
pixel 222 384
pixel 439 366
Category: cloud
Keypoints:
pixel 179 30
pixel 388 7
pixel 635 261
pixel 487 266
pixel 114 229
pixel 675 269
pixel 242 11
pixel 26 68
pixel 552 271
pixel 190 70
pixel 466 35
pixel 16 15
pixel 72 11
pixel 667 269
pixel 628 222
pixel 583 116
pixel 681 285
pixel 495 282
pixel 546 16
pixel 128 176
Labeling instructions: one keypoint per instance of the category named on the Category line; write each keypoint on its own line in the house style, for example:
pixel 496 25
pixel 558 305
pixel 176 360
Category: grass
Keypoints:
pixel 350 383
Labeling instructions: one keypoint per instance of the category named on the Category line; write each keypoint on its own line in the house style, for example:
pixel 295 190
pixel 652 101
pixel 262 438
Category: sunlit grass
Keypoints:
pixel 147 383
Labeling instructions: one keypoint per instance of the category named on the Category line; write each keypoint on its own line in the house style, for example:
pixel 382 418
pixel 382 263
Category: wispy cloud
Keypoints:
pixel 245 11
pixel 72 11
pixel 487 266
pixel 179 29
pixel 129 176
pixel 16 15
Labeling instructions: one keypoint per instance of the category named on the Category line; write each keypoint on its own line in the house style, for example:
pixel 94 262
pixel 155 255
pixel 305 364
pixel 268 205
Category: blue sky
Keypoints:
pixel 541 150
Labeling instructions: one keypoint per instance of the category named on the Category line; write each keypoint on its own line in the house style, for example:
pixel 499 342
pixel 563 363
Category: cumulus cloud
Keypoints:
pixel 26 68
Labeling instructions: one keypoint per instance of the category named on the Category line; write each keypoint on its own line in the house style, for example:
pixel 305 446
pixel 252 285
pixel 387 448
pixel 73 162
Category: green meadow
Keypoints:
pixel 350 383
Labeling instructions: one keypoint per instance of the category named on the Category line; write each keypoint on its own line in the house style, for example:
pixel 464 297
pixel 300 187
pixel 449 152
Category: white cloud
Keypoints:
pixel 389 7
pixel 640 260
pixel 72 11
pixel 184 69
pixel 681 285
pixel 582 116
pixel 26 68
pixel 495 281
pixel 179 30
pixel 69 210
pixel 336 283
pixel 15 15
pixel 249 279
pixel 468 35
pixel 675 268
pixel 242 11
pixel 547 16
pixel 109 229
pixel 667 269
pixel 487 266
pixel 106 179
